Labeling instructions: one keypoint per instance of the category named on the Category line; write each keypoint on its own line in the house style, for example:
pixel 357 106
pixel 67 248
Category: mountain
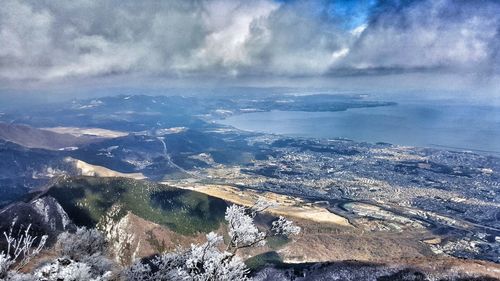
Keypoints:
pixel 23 169
pixel 139 217
pixel 45 216
pixel 90 160
pixel 87 200
pixel 37 138
pixel 167 152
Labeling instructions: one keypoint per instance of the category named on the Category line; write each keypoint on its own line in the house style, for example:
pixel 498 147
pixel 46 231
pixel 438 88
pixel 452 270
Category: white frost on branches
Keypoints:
pixel 207 262
pixel 21 248
pixel 213 260
pixel 285 227
pixel 5 264
pixel 138 272
pixel 83 254
pixel 84 249
pixel 242 230
pixel 83 243
pixel 200 262
pixel 68 270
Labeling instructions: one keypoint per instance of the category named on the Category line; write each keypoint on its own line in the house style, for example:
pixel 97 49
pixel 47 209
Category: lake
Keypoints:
pixel 424 124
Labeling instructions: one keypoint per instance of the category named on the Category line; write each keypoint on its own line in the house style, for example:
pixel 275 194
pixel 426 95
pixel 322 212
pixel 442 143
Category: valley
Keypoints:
pixel 154 173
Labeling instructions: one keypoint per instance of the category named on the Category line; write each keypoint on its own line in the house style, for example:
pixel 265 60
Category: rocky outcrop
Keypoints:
pixel 52 213
pixel 45 216
pixel 131 237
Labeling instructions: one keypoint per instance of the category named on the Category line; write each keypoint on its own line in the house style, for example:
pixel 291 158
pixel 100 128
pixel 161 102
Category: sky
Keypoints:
pixel 405 44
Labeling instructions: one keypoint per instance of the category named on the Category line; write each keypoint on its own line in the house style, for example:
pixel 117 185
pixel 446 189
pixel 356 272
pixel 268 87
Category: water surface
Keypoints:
pixel 426 124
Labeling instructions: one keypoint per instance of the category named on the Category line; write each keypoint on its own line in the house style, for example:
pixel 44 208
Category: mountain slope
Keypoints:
pixel 139 218
pixel 22 169
pixel 89 200
pixel 45 216
pixel 37 138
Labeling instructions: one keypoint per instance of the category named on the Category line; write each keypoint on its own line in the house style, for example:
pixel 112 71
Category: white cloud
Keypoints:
pixel 52 40
pixel 229 24
pixel 429 34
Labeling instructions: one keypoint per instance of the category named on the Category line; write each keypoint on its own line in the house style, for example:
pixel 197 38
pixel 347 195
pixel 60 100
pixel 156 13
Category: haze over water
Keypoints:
pixel 423 124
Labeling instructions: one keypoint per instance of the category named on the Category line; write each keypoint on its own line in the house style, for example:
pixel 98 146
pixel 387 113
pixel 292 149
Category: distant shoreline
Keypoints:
pixel 359 125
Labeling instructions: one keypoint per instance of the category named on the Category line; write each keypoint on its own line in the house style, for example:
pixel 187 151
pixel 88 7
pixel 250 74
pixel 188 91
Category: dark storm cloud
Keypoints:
pixel 54 40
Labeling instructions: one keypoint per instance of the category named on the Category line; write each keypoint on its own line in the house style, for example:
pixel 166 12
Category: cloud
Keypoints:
pixel 300 38
pixel 44 40
pixel 439 34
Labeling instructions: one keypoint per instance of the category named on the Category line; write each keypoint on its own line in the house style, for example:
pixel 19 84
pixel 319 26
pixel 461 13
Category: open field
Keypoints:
pixel 286 205
pixel 86 169
pixel 94 132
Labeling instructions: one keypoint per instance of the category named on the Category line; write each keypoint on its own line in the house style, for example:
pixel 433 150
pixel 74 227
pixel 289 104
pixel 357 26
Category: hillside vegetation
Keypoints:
pixel 87 200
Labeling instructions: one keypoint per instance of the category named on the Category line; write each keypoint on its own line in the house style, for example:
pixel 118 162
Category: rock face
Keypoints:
pixel 45 215
pixel 52 213
pixel 132 238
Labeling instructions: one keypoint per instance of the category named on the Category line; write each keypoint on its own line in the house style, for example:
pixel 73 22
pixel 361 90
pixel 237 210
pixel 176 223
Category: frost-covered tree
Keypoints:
pixel 139 271
pixel 81 257
pixel 84 242
pixel 243 231
pixel 84 249
pixel 214 260
pixel 285 227
pixel 21 247
pixel 83 254
pixel 64 269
